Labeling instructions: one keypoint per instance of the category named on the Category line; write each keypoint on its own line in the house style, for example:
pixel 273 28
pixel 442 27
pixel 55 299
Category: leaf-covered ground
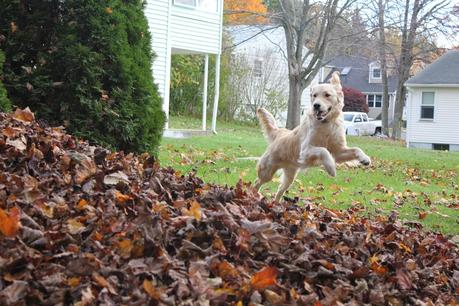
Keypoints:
pixel 81 225
pixel 421 185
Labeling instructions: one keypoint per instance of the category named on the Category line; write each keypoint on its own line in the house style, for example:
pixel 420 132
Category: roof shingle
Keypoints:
pixel 444 71
pixel 358 75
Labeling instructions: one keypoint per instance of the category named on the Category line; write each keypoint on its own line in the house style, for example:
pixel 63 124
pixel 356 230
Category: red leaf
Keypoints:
pixel 264 278
pixel 9 222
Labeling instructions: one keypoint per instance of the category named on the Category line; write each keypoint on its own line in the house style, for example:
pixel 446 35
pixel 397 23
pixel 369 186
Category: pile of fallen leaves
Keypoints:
pixel 81 225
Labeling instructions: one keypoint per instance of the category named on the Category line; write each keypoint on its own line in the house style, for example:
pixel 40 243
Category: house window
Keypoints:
pixel 427 105
pixel 376 73
pixel 186 2
pixel 440 146
pixel 205 5
pixel 258 68
pixel 374 101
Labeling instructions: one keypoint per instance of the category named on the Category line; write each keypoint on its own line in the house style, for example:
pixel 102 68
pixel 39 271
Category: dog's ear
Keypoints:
pixel 335 80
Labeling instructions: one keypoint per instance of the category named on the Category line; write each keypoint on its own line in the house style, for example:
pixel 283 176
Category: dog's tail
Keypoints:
pixel 268 123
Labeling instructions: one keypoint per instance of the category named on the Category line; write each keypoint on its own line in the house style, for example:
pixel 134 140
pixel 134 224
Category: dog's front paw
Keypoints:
pixel 365 160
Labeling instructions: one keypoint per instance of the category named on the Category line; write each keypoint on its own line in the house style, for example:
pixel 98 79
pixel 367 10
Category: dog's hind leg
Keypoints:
pixel 265 171
pixel 287 179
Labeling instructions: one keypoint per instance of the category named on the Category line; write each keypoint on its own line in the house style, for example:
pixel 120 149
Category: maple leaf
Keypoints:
pixel 9 222
pixel 264 278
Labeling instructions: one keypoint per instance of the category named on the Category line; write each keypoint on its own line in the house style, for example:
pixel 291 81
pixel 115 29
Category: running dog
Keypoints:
pixel 319 140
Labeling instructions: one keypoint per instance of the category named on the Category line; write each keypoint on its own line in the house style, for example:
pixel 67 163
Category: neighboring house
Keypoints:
pixel 185 27
pixel 262 49
pixel 433 105
pixel 364 75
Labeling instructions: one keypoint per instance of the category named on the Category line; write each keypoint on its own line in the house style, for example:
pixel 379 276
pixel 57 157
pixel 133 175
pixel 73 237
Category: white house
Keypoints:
pixel 185 27
pixel 433 105
pixel 263 49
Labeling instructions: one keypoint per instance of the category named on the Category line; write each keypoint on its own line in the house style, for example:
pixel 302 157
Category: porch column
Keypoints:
pixel 204 92
pixel 167 88
pixel 217 93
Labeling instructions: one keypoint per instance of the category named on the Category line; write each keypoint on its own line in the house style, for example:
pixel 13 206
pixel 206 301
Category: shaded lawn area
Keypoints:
pixel 422 185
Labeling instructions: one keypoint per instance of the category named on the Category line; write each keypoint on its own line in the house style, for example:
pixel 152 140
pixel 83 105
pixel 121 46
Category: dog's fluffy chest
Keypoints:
pixel 321 134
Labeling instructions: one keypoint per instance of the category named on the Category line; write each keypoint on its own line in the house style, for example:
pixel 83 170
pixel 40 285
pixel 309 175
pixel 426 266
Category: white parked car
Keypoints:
pixel 359 124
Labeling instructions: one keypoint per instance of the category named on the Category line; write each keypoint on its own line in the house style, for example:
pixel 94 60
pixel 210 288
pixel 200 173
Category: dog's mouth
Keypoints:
pixel 321 115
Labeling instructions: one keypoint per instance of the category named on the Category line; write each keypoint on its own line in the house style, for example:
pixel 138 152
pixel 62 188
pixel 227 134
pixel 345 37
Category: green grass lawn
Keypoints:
pixel 422 185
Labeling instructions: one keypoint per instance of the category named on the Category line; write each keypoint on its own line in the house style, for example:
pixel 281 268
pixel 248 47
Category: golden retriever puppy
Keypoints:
pixel 319 140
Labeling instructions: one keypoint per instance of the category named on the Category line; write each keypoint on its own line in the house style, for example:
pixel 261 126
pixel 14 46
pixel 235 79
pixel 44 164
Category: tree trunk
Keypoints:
pixel 383 59
pixel 386 100
pixel 294 102
pixel 398 108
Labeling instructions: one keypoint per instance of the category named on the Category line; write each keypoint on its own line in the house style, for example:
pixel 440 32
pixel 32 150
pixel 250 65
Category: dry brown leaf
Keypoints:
pixel 82 203
pixel 104 283
pixel 125 246
pixel 227 270
pixel 74 281
pixel 24 115
pixel 10 132
pixel 422 215
pixel 151 290
pixel 122 198
pixel 74 226
pixel 13 27
pixel 194 211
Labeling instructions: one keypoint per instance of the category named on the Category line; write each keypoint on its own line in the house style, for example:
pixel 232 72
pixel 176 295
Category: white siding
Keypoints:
pixel 195 30
pixel 445 125
pixel 157 13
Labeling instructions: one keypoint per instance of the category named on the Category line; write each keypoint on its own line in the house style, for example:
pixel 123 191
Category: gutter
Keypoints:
pixel 432 85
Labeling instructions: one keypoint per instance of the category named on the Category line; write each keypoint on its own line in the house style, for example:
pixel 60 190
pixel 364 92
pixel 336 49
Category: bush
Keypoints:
pixel 354 100
pixel 85 64
pixel 187 73
pixel 5 104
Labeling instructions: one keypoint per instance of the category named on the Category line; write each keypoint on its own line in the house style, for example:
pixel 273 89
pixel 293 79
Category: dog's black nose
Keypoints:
pixel 316 106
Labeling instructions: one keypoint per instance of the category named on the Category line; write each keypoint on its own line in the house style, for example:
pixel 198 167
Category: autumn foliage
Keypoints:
pixel 354 100
pixel 245 12
pixel 80 225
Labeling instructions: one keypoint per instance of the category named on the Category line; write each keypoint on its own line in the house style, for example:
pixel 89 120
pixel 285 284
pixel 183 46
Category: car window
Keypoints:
pixel 348 117
pixel 358 118
pixel 365 117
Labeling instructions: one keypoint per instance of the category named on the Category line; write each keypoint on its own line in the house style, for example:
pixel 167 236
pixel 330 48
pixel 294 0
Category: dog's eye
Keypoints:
pixel 314 95
pixel 327 95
